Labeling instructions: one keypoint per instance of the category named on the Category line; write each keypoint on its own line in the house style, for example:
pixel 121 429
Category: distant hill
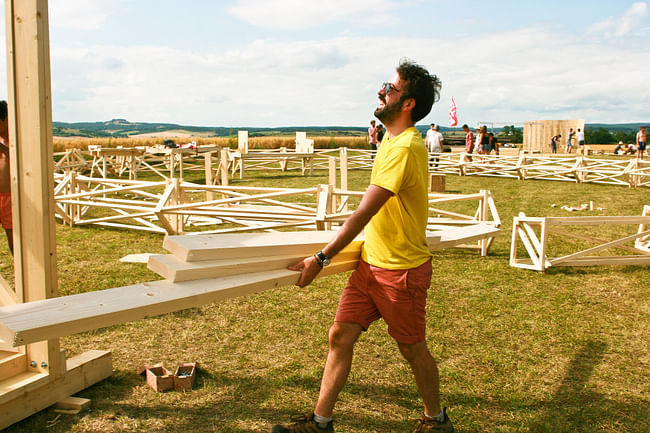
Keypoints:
pixel 124 128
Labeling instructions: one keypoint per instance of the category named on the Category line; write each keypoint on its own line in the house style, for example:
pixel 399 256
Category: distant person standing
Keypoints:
pixel 469 141
pixel 380 134
pixel 581 140
pixel 494 144
pixel 372 135
pixel 486 145
pixel 569 138
pixel 434 141
pixel 554 141
pixel 641 142
pixel 477 140
pixel 5 178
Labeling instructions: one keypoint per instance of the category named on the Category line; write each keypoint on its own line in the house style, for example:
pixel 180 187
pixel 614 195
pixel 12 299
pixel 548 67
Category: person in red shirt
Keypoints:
pixel 5 178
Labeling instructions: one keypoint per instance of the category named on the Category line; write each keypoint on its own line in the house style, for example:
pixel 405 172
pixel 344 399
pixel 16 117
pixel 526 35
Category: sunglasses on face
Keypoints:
pixel 389 87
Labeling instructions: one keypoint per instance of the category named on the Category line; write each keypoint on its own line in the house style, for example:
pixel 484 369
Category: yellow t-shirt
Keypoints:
pixel 395 238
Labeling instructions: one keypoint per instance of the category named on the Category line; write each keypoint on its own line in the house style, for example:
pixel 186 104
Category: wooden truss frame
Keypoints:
pixel 579 169
pixel 176 207
pixel 533 233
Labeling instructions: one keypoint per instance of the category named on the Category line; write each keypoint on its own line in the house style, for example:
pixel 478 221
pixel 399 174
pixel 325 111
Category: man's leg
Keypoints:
pixel 425 371
pixel 342 337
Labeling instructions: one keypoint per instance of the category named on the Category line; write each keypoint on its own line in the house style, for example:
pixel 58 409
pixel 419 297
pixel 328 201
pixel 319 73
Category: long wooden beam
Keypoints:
pixel 67 315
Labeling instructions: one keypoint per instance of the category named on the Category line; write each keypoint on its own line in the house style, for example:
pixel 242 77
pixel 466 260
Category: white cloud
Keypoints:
pixel 510 77
pixel 303 14
pixel 534 72
pixel 624 25
pixel 81 15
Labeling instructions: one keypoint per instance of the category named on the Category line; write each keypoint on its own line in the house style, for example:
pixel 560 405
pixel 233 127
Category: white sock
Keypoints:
pixel 440 417
pixel 321 421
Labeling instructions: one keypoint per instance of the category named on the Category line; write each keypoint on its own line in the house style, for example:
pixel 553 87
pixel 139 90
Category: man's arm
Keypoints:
pixel 372 201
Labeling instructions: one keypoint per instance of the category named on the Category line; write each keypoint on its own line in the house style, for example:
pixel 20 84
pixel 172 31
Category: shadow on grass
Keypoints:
pixel 594 270
pixel 574 408
pixel 230 403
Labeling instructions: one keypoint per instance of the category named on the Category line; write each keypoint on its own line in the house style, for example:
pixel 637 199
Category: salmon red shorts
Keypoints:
pixel 5 210
pixel 397 295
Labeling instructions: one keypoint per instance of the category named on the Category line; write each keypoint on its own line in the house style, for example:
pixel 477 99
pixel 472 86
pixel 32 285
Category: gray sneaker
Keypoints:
pixel 426 425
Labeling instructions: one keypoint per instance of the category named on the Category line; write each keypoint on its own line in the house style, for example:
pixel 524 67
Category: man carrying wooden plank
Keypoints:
pixel 394 273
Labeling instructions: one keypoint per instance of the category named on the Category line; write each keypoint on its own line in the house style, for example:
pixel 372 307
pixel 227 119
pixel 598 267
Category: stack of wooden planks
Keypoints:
pixel 199 270
pixel 214 256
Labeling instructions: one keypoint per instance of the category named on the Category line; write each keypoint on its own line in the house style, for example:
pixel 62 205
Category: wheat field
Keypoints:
pixel 62 144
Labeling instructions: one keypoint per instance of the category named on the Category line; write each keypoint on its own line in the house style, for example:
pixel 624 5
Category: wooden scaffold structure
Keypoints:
pixel 579 169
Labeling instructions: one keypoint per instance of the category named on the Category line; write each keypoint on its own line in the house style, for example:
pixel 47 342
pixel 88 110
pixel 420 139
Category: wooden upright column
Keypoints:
pixel 40 376
pixel 32 182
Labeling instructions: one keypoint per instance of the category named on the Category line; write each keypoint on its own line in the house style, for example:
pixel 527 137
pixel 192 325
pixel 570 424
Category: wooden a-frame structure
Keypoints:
pixel 37 375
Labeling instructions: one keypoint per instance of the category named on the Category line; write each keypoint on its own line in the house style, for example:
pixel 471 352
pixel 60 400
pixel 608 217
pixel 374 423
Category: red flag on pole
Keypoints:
pixel 453 118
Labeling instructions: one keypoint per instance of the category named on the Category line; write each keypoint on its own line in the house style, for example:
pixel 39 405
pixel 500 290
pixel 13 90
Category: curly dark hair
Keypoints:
pixel 3 110
pixel 421 86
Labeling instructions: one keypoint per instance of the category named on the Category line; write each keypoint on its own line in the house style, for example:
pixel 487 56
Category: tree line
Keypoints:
pixel 604 136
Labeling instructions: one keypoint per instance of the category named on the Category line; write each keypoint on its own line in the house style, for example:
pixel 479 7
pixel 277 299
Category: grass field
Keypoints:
pixel 518 351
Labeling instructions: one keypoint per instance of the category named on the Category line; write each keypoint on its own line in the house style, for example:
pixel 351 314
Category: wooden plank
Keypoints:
pixel 608 260
pixel 67 315
pixel 12 364
pixel 231 246
pixel 7 294
pixel 596 220
pixel 454 236
pixel 173 269
pixel 29 393
pixel 72 405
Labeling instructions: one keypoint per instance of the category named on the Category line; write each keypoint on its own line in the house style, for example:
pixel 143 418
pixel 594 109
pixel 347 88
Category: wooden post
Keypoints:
pixel 343 152
pixel 32 184
pixel 331 165
pixel 209 195
pixel 223 165
pixel 436 182
pixel 43 376
pixel 324 206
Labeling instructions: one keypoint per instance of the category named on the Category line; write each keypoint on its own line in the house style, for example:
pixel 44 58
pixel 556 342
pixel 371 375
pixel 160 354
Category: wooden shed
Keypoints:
pixel 538 134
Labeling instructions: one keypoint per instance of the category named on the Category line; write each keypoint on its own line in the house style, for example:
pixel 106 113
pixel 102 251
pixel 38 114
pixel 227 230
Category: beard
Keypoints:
pixel 388 112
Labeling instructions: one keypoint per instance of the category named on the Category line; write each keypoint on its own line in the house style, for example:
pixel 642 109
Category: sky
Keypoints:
pixel 268 63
